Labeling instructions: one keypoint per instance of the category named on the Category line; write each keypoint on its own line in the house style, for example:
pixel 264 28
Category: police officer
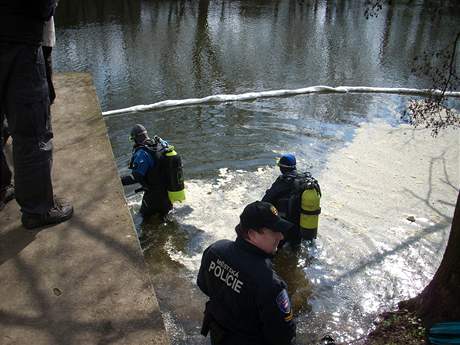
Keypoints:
pixel 148 170
pixel 248 303
pixel 24 99
pixel 278 194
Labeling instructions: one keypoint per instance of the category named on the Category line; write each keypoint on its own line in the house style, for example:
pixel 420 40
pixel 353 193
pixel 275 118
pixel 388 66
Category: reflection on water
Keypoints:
pixel 290 264
pixel 141 52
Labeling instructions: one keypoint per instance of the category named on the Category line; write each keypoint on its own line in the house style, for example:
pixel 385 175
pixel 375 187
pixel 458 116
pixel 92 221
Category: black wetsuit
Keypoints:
pixel 279 195
pixel 148 169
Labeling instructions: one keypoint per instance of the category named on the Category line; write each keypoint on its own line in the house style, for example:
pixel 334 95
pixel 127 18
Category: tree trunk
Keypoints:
pixel 440 300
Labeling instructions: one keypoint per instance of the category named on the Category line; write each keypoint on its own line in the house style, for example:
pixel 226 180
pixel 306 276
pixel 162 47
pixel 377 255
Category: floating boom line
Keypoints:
pixel 249 96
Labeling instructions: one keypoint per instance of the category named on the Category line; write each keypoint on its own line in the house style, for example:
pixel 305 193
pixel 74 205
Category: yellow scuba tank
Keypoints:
pixel 175 177
pixel 310 209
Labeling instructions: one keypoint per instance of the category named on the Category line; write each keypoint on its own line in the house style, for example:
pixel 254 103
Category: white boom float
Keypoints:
pixel 248 96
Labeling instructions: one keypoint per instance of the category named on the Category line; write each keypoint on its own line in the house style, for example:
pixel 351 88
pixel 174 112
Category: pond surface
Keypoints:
pixel 142 52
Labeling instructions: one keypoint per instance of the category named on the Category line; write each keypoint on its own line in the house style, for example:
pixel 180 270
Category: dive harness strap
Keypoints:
pixel 311 213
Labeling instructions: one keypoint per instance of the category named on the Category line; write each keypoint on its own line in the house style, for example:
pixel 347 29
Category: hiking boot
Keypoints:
pixel 61 212
pixel 6 195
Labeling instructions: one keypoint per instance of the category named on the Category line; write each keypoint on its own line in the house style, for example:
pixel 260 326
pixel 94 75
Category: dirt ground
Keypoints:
pixel 397 328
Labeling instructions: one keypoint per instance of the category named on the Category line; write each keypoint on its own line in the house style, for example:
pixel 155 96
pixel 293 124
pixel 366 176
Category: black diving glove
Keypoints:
pixel 127 180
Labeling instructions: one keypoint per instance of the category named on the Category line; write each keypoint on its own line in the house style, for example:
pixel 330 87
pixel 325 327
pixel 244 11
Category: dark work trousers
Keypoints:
pixel 24 100
pixel 49 72
pixel 5 176
pixel 5 172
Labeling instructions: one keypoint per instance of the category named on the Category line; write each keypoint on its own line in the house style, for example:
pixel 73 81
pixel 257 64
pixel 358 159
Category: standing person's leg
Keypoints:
pixel 5 172
pixel 28 114
pixel 165 207
pixel 49 72
pixel 148 205
pixel 5 133
pixel 27 110
pixel 6 190
pixel 156 202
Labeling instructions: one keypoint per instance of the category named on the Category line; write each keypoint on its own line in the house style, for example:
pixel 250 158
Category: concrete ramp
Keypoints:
pixel 83 281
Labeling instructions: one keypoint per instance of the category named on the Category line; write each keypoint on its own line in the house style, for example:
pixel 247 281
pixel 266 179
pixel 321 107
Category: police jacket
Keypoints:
pixel 22 21
pixel 247 298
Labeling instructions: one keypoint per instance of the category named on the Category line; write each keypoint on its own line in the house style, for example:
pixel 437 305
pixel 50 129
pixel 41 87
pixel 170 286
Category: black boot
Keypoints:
pixel 61 212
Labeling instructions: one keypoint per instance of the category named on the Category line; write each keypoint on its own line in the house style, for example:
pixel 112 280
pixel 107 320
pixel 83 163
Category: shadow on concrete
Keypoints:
pixel 117 247
pixel 14 241
pixel 83 281
pixel 66 328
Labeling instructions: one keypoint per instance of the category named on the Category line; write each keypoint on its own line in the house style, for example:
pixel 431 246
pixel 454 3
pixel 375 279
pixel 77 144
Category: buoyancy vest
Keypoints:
pixel 154 179
pixel 302 205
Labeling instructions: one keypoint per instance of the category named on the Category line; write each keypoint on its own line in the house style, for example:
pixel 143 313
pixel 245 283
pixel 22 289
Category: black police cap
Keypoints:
pixel 261 214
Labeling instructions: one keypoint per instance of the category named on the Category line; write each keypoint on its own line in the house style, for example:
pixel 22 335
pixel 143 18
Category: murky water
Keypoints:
pixel 141 52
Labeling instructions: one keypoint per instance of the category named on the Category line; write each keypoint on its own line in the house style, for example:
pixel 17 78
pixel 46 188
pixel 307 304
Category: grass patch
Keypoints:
pixel 397 328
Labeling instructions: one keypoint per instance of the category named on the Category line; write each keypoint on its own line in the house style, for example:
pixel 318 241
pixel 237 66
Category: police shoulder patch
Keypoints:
pixel 283 303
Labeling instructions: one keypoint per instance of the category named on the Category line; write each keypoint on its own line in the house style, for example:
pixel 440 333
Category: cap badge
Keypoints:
pixel 274 210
